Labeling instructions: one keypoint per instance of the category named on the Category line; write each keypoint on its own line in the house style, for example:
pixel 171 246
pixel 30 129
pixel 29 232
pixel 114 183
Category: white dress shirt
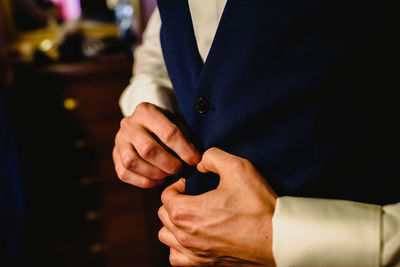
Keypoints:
pixel 306 232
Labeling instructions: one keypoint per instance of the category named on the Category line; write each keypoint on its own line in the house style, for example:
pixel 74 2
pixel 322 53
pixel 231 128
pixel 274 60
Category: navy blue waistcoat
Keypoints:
pixel 302 89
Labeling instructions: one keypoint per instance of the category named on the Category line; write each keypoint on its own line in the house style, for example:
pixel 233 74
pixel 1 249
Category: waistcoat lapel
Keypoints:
pixel 180 51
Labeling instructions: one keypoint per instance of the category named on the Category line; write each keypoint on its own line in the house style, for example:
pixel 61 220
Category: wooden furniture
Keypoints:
pixel 77 211
pixel 66 115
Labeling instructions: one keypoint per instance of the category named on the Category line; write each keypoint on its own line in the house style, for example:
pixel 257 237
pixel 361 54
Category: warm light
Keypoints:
pixel 70 103
pixel 46 45
pixel 91 215
pixel 80 143
pixel 96 248
pixel 111 4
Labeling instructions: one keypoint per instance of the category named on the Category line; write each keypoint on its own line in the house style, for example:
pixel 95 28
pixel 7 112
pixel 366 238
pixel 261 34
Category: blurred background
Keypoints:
pixel 63 66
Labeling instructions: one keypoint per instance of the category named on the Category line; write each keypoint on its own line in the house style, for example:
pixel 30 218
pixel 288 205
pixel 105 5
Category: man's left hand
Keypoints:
pixel 228 226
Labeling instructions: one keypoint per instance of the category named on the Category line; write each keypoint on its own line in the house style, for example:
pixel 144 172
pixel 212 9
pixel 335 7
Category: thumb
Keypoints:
pixel 218 161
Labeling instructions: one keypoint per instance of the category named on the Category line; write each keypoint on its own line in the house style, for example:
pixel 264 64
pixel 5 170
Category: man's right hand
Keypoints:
pixel 142 148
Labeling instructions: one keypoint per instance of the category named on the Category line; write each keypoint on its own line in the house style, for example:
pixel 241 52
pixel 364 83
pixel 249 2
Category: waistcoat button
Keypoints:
pixel 201 105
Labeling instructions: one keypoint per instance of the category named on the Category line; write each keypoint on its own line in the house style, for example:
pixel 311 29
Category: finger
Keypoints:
pixel 178 187
pixel 167 238
pixel 130 177
pixel 215 160
pixel 233 167
pixel 152 152
pixel 133 162
pixel 182 209
pixel 175 192
pixel 165 220
pixel 173 227
pixel 229 167
pixel 177 258
pixel 175 238
pixel 181 220
pixel 173 223
pixel 168 133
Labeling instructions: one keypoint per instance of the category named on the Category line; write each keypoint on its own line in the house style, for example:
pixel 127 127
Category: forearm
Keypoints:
pixel 150 82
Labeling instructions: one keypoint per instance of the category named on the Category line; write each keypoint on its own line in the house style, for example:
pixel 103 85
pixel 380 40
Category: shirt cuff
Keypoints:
pixel 391 235
pixel 321 232
pixel 145 88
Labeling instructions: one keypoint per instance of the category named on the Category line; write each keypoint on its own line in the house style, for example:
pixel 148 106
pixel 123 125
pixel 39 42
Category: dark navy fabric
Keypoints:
pixel 303 89
pixel 11 196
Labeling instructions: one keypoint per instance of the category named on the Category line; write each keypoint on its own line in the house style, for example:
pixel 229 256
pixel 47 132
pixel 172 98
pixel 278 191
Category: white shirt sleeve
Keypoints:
pixel 150 81
pixel 391 235
pixel 321 232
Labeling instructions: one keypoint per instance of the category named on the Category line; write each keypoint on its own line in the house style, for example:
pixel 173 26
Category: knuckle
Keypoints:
pixel 193 229
pixel 193 158
pixel 237 164
pixel 144 183
pixel 130 162
pixel 245 163
pixel 164 197
pixel 114 154
pixel 175 215
pixel 174 168
pixel 124 123
pixel 119 137
pixel 186 240
pixel 122 174
pixel 178 214
pixel 157 175
pixel 161 235
pixel 147 149
pixel 142 107
pixel 211 150
pixel 159 213
pixel 170 133
pixel 126 176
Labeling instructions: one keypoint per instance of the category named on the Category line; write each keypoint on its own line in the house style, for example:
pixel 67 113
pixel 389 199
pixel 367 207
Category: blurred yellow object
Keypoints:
pixel 70 104
pixel 111 4
pixel 46 45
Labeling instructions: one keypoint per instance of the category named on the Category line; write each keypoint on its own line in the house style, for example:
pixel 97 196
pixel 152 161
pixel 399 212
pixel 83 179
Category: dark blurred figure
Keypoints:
pixel 11 197
pixel 97 10
pixel 32 14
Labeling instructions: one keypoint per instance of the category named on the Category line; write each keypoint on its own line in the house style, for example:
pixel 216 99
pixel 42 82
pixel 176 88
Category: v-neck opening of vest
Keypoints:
pixel 206 16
